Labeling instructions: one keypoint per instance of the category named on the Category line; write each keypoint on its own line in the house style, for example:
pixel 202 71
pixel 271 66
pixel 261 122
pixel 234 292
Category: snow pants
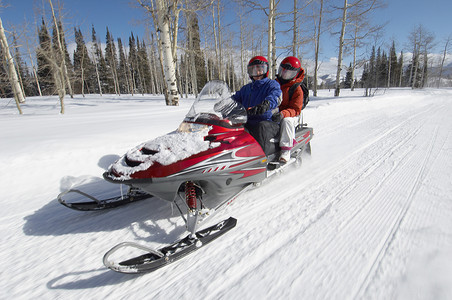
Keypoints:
pixel 287 133
pixel 266 134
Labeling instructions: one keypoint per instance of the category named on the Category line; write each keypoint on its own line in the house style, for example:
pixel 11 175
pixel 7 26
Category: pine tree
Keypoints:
pixel 348 78
pixel 123 70
pixel 393 66
pixel 133 62
pixel 83 67
pixel 43 54
pixel 195 55
pixel 145 67
pixel 400 71
pixel 22 71
pixel 100 65
pixel 112 64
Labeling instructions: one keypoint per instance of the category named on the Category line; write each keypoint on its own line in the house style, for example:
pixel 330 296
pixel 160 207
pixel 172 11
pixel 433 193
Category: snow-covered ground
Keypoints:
pixel 368 217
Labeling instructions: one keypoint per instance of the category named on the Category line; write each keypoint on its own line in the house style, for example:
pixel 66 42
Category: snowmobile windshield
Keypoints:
pixel 214 106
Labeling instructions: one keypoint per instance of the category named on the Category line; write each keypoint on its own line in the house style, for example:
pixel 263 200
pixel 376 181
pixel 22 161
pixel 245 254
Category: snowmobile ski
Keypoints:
pixel 155 259
pixel 97 204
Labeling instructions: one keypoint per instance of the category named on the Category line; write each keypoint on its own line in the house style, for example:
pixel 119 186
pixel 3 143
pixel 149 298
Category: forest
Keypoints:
pixel 189 44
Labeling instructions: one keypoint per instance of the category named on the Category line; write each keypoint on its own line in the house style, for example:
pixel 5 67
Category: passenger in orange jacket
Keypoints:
pixel 290 72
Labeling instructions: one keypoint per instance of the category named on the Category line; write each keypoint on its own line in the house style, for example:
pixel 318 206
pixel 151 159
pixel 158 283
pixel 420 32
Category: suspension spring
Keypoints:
pixel 190 195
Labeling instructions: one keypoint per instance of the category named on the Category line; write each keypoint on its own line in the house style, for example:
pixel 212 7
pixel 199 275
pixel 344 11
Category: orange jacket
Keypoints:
pixel 293 107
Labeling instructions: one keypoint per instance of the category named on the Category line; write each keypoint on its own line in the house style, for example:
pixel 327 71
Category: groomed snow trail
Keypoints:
pixel 367 217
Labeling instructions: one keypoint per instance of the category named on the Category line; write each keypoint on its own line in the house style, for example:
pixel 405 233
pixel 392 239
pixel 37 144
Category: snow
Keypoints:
pixel 169 148
pixel 367 217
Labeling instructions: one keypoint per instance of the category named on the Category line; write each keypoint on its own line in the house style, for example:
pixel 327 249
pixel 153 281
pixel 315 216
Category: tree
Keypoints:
pixel 43 57
pixel 422 42
pixel 195 56
pixel 341 48
pixel 356 13
pixel 12 74
pixel 317 47
pixel 162 17
pixel 111 64
pixel 62 59
pixel 446 46
pixel 123 70
pixel 348 82
pixel 99 62
pixel 83 66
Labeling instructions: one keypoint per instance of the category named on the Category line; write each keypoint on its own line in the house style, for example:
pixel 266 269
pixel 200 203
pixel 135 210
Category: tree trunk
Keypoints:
pixel 12 74
pixel 317 45
pixel 442 61
pixel 220 47
pixel 169 70
pixel 271 24
pixel 64 72
pixel 341 49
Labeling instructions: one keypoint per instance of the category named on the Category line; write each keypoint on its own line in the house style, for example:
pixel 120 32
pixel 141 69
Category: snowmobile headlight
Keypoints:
pixel 191 127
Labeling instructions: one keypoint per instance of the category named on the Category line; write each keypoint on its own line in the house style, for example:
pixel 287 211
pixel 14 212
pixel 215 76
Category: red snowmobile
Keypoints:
pixel 203 165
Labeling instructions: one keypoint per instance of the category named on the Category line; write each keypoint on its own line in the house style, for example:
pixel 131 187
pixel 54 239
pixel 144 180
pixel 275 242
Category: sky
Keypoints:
pixel 402 16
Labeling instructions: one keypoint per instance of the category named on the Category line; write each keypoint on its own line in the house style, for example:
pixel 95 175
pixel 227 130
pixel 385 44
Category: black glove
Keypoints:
pixel 277 117
pixel 260 108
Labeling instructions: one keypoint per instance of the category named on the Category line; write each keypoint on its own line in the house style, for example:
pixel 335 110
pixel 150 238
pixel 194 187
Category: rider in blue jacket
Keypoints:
pixel 261 95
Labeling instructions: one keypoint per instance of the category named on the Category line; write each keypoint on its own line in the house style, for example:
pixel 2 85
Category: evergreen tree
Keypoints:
pixel 22 72
pixel 133 62
pixel 348 78
pixel 43 56
pixel 84 72
pixel 394 66
pixel 5 85
pixel 195 55
pixel 383 70
pixel 123 70
pixel 145 70
pixel 111 64
pixel 99 63
pixel 400 71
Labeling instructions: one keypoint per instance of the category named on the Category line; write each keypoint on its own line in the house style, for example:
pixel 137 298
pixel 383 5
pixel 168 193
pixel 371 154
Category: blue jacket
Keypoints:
pixel 255 93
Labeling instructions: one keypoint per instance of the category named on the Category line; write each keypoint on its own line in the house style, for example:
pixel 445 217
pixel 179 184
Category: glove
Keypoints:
pixel 260 108
pixel 277 117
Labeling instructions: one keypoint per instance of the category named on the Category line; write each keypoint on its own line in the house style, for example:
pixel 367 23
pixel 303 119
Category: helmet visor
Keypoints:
pixel 287 74
pixel 257 70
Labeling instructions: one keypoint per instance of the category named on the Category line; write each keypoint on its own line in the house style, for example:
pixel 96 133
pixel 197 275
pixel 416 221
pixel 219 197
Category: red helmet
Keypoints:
pixel 257 66
pixel 290 68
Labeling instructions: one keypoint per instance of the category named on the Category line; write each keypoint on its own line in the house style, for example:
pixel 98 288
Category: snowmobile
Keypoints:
pixel 200 167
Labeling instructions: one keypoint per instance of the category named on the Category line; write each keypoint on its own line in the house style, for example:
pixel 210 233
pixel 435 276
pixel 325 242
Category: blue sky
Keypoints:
pixel 121 18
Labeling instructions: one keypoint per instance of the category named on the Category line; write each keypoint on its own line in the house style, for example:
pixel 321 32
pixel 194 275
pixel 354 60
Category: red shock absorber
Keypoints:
pixel 190 195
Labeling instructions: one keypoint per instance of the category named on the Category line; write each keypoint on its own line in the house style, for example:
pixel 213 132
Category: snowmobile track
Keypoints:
pixel 333 202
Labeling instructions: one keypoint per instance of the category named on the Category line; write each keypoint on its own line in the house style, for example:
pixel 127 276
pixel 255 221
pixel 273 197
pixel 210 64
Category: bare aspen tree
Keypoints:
pixel 317 47
pixel 12 74
pixel 271 12
pixel 161 17
pixel 353 13
pixel 64 71
pixel 34 70
pixel 341 48
pixel 242 50
pixel 217 44
pixel 446 46
pixel 422 42
pixel 271 38
pixel 295 29
pixel 220 42
pixel 169 70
